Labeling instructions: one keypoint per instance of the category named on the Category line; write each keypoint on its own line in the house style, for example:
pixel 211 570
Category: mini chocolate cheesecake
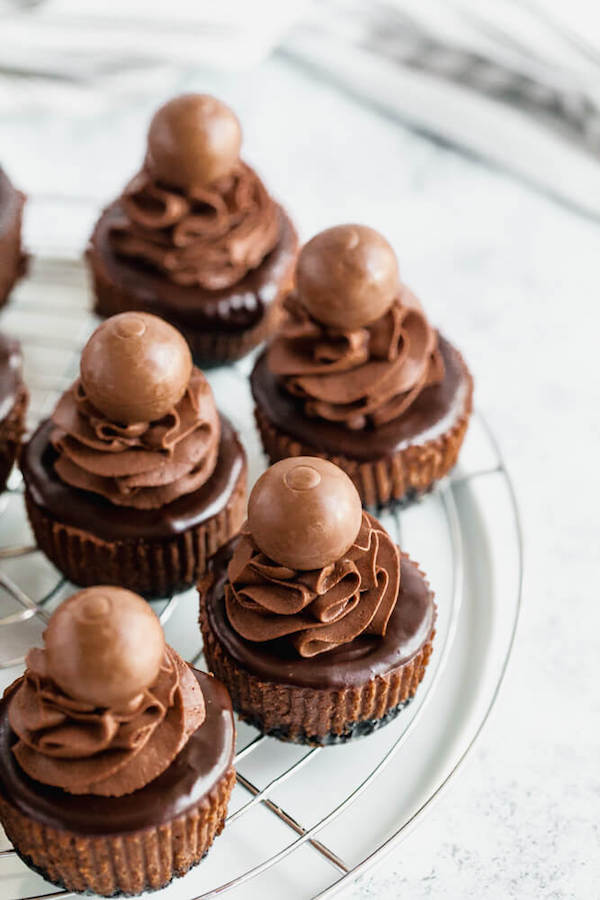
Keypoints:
pixel 13 405
pixel 195 237
pixel 116 757
pixel 136 479
pixel 317 624
pixel 13 261
pixel 357 375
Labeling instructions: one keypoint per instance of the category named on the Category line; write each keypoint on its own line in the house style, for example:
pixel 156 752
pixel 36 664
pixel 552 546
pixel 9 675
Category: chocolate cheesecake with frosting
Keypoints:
pixel 13 259
pixel 356 373
pixel 135 479
pixel 14 398
pixel 195 236
pixel 320 627
pixel 116 756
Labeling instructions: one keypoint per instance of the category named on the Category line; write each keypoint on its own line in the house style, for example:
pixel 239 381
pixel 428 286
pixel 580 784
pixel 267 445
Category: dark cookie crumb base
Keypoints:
pixel 351 731
pixel 60 884
pixel 396 505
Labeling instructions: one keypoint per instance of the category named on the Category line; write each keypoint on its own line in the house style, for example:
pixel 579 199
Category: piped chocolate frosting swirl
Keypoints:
pixel 196 212
pixel 106 706
pixel 355 346
pixel 320 609
pixel 140 426
pixel 329 575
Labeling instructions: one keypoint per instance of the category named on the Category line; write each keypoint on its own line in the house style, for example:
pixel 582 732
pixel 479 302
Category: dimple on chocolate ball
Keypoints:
pixel 193 140
pixel 347 276
pixel 105 646
pixel 135 368
pixel 304 513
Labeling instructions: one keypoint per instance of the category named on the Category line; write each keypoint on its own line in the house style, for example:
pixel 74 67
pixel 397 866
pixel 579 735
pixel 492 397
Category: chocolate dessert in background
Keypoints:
pixel 195 237
pixel 136 479
pixel 13 404
pixel 116 756
pixel 318 625
pixel 356 374
pixel 13 260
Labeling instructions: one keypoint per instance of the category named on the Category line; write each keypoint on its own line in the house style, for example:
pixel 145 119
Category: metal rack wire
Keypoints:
pixel 45 389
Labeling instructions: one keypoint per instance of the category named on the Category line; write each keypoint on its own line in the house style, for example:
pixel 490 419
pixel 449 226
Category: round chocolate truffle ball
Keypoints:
pixel 193 140
pixel 135 368
pixel 304 513
pixel 347 276
pixel 105 646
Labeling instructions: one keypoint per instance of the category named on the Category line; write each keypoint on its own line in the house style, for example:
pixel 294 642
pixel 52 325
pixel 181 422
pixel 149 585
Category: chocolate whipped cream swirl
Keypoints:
pixel 361 377
pixel 319 610
pixel 145 465
pixel 83 749
pixel 211 237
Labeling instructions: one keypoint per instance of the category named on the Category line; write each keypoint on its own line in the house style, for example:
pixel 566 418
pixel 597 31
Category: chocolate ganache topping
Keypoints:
pixel 140 426
pixel 106 706
pixel 196 212
pixel 336 573
pixel 355 346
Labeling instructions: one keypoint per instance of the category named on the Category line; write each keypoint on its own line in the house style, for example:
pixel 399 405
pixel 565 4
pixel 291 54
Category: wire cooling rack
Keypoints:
pixel 296 788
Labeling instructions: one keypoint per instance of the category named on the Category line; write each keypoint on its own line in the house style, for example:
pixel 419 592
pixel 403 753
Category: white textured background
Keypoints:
pixel 513 279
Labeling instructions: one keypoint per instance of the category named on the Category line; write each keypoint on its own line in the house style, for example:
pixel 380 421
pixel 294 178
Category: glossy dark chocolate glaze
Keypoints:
pixel 359 728
pixel 409 627
pixel 93 513
pixel 11 361
pixel 232 309
pixel 434 411
pixel 202 762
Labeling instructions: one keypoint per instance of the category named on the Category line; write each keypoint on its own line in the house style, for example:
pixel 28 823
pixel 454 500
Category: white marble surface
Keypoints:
pixel 512 278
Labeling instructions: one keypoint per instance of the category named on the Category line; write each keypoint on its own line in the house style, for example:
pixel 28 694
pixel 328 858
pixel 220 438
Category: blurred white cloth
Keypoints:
pixel 516 82
pixel 504 79
pixel 95 38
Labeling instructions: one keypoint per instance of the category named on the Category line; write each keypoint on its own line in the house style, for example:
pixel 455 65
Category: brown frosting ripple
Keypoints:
pixel 357 377
pixel 318 610
pixel 143 465
pixel 211 236
pixel 83 749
